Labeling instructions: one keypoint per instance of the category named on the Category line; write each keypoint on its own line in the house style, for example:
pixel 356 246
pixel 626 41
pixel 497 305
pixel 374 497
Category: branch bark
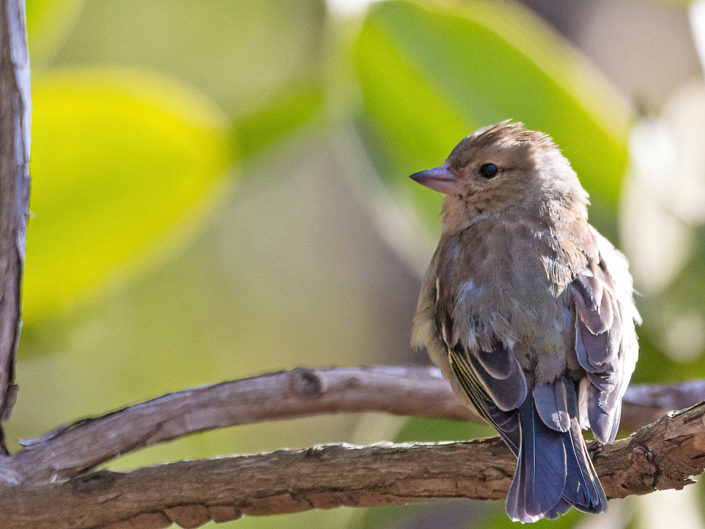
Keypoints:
pixel 14 188
pixel 400 390
pixel 46 484
pixel 661 456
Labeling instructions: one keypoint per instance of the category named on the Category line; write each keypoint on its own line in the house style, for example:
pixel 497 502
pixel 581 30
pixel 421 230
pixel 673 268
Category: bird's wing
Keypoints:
pixel 505 422
pixel 497 371
pixel 486 371
pixel 605 338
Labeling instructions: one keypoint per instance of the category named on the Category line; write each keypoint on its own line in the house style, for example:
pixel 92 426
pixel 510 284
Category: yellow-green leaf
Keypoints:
pixel 124 164
pixel 48 24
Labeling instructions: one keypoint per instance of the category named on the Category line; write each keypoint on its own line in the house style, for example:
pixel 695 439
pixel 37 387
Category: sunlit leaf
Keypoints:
pixel 123 165
pixel 238 53
pixel 48 25
pixel 430 77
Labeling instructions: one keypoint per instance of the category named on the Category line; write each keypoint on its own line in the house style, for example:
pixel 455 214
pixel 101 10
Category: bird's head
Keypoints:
pixel 498 167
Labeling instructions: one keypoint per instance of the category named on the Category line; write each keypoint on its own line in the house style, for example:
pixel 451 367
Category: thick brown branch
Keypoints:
pixel 14 187
pixel 658 457
pixel 401 390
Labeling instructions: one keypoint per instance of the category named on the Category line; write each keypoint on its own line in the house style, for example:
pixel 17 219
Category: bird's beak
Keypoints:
pixel 439 179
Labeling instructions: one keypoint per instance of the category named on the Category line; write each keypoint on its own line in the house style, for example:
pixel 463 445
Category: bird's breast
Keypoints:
pixel 506 263
pixel 506 282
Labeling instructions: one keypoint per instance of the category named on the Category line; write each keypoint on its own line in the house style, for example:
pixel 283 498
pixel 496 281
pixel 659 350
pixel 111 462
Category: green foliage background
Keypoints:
pixel 219 190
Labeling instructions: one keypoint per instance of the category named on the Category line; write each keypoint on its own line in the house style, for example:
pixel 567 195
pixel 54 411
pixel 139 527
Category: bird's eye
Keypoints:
pixel 489 170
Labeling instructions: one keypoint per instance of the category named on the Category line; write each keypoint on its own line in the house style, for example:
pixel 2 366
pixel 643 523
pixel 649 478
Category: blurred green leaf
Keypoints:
pixel 428 430
pixel 431 77
pixel 500 520
pixel 124 164
pixel 48 24
pixel 293 106
pixel 238 53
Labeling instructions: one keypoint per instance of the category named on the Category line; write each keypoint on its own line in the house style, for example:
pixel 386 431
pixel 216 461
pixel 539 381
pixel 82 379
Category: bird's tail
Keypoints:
pixel 554 470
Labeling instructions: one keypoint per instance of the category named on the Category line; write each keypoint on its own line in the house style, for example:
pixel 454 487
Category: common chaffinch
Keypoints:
pixel 529 312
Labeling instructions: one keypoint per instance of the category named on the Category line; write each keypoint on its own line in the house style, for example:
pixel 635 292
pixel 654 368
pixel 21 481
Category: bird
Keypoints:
pixel 529 312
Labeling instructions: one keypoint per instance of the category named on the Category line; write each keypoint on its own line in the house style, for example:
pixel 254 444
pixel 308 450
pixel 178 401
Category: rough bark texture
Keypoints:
pixel 14 188
pixel 47 484
pixel 285 395
pixel 401 390
pixel 661 456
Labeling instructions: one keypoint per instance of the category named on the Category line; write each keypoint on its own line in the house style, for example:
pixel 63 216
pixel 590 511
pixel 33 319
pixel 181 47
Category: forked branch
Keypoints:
pixel 401 390
pixel 661 456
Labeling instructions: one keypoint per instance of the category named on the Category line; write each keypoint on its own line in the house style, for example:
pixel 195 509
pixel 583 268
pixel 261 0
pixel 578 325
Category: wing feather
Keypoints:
pixel 506 423
pixel 605 338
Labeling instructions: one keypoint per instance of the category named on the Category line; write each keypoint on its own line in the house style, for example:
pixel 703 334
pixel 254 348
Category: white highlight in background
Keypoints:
pixel 670 508
pixel 348 8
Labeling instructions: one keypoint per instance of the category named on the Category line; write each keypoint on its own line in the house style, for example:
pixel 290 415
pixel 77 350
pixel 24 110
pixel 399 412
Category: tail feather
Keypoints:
pixel 554 471
pixel 583 488
pixel 562 508
pixel 540 476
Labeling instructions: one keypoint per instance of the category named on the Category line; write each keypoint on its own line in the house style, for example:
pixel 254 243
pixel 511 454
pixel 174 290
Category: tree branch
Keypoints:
pixel 661 456
pixel 14 188
pixel 400 390
pixel 34 492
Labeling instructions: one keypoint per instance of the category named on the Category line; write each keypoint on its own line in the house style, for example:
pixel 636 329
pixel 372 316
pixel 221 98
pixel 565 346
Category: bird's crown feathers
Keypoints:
pixel 505 133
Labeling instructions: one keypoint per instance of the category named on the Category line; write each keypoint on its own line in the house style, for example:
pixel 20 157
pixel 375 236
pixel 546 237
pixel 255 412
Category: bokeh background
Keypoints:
pixel 220 190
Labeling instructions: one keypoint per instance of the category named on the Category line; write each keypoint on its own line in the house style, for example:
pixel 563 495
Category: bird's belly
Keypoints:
pixel 535 324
